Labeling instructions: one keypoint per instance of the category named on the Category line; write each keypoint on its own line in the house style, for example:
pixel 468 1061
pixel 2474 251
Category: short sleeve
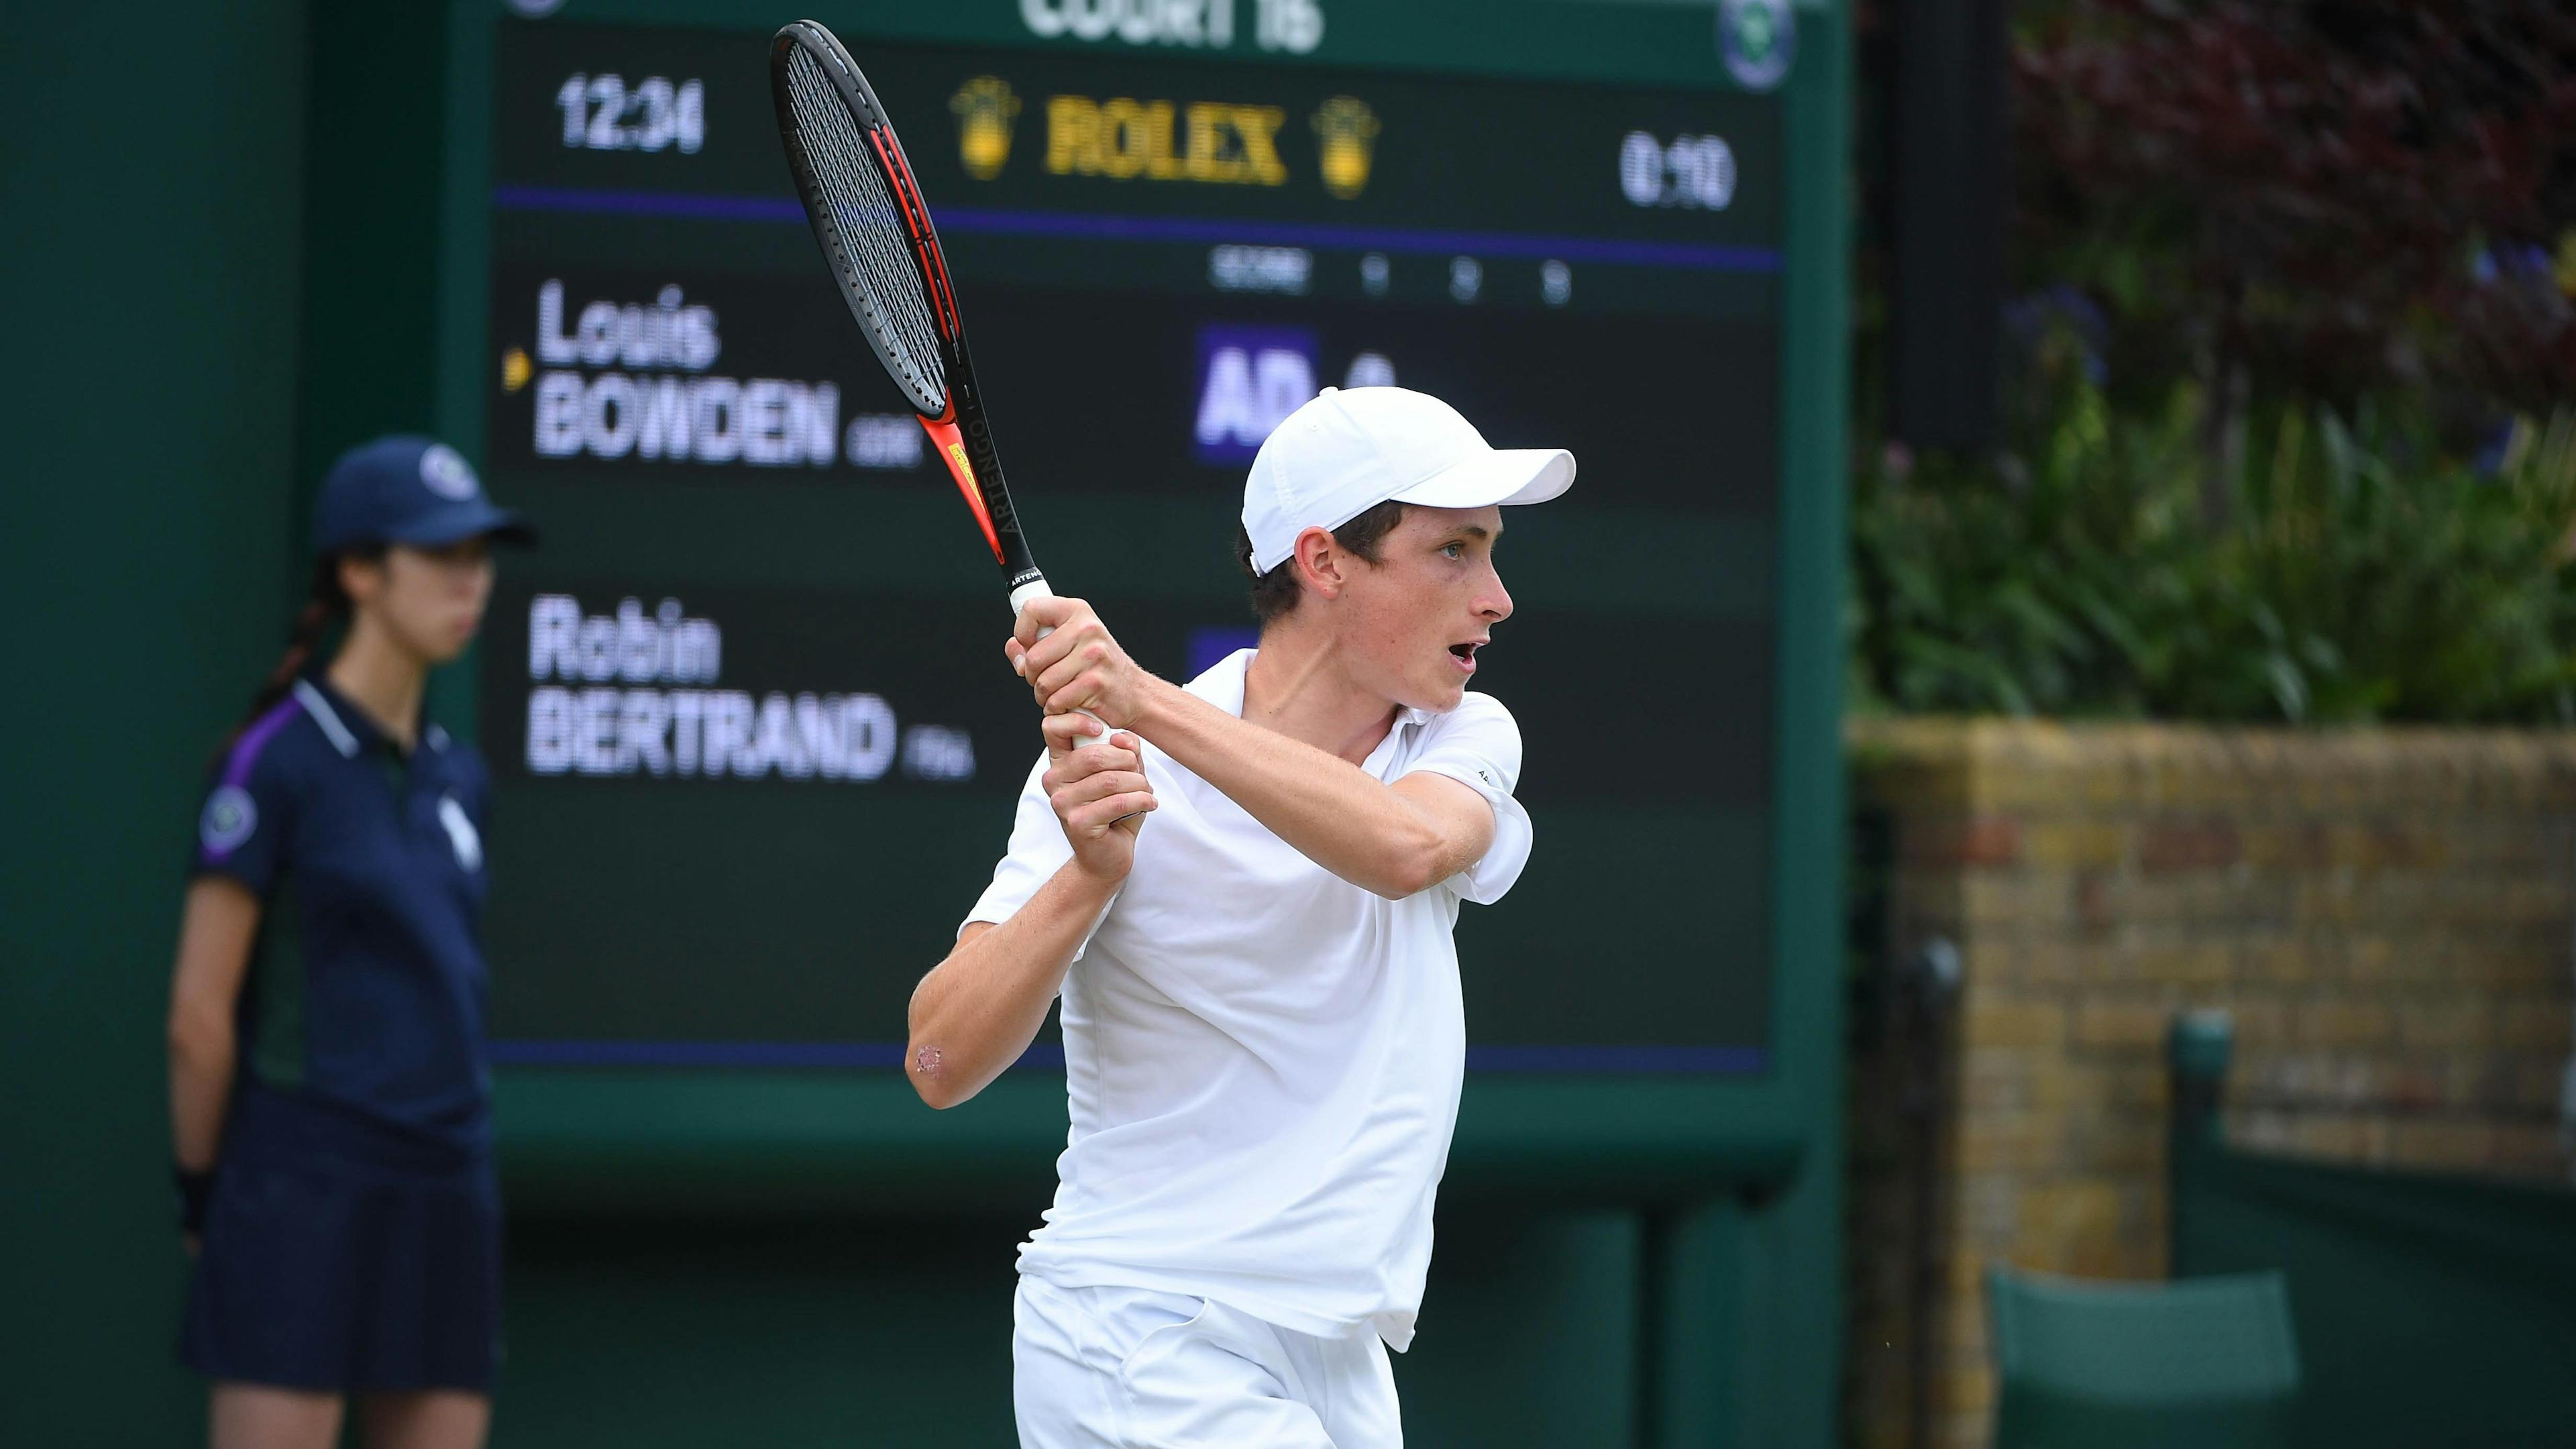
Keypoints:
pixel 245 818
pixel 1037 851
pixel 473 782
pixel 1478 744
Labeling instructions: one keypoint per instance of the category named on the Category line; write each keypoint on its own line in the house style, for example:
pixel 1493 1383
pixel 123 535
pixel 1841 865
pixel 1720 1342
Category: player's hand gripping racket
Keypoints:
pixel 876 236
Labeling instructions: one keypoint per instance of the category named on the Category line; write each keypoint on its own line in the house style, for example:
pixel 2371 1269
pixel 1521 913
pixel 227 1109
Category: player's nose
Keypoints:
pixel 1493 601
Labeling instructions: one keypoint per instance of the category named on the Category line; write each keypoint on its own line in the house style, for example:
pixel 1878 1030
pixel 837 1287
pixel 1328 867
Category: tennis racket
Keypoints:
pixel 875 232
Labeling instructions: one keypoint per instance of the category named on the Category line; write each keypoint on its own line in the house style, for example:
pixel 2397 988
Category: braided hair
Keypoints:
pixel 325 604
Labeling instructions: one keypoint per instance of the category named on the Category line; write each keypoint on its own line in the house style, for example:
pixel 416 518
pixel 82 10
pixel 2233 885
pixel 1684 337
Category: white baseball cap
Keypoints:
pixel 1351 449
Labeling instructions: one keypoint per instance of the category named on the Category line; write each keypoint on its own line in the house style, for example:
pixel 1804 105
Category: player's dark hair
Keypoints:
pixel 1274 594
pixel 325 604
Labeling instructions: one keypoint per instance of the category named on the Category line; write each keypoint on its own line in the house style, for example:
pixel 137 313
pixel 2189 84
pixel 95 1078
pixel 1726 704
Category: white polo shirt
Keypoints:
pixel 1262 1060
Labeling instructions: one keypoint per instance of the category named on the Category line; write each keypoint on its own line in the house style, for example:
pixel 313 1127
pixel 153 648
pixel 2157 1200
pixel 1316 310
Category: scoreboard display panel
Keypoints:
pixel 754 741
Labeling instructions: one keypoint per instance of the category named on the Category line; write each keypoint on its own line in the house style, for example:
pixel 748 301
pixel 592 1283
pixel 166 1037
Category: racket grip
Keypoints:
pixel 1020 598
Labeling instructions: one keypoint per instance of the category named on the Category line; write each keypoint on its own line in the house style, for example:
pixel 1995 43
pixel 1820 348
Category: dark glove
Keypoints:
pixel 196 1189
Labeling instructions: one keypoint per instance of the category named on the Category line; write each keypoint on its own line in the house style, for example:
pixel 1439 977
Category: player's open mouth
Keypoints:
pixel 1465 654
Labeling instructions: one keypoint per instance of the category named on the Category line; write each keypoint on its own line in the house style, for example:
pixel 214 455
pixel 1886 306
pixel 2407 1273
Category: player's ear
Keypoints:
pixel 1321 562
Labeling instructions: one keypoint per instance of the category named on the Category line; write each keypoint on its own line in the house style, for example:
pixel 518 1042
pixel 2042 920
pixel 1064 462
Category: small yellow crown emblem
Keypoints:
pixel 1346 129
pixel 514 369
pixel 984 108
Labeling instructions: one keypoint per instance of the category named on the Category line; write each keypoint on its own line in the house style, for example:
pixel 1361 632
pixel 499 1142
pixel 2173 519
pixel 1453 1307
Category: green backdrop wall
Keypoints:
pixel 153 178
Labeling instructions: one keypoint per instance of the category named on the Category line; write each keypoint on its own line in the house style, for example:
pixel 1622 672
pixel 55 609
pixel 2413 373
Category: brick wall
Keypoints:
pixel 2386 915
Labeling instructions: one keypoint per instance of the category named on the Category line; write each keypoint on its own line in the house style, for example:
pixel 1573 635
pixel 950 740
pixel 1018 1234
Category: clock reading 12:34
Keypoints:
pixel 604 113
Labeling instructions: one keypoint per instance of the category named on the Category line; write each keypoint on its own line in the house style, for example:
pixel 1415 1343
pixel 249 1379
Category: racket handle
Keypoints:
pixel 1020 598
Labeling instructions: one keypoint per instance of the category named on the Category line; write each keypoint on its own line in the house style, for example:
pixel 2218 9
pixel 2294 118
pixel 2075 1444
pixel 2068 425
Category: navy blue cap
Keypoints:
pixel 412 490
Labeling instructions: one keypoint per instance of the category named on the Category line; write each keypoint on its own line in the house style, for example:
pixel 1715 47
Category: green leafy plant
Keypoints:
pixel 2363 574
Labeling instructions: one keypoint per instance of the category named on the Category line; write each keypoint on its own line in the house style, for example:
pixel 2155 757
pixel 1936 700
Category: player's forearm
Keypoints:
pixel 977 1011
pixel 1333 812
pixel 201 1077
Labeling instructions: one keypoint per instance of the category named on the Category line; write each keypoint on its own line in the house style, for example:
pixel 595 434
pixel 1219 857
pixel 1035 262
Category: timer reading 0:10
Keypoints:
pixel 1695 172
pixel 600 113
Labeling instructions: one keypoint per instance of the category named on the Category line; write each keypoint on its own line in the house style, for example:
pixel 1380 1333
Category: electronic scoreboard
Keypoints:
pixel 754 741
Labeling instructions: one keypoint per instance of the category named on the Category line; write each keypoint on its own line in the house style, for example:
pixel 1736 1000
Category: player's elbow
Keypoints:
pixel 922 1064
pixel 927 1067
pixel 1408 867
pixel 1404 884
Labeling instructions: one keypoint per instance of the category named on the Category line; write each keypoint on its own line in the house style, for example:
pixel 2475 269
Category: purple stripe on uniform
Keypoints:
pixel 245 757
pixel 246 750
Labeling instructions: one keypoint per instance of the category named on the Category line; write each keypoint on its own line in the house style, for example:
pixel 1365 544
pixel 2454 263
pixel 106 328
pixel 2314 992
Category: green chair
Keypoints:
pixel 2207 1363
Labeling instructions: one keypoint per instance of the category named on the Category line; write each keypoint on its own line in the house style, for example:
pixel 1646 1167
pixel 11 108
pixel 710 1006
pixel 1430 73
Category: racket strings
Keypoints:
pixel 893 304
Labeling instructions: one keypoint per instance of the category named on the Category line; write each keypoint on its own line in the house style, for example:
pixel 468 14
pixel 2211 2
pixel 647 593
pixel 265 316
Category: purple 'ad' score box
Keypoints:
pixel 1250 380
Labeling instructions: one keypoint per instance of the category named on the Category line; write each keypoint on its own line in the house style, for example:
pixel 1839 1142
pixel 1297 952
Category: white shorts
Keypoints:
pixel 1126 1368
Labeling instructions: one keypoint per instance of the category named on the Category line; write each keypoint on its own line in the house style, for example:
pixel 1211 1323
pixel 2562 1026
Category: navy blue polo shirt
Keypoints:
pixel 361 1021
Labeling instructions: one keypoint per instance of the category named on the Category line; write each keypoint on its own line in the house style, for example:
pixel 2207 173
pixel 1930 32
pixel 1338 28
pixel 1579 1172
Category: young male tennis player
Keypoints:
pixel 1263 1034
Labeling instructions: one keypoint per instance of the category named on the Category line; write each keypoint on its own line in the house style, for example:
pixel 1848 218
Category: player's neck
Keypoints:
pixel 1297 686
pixel 383 680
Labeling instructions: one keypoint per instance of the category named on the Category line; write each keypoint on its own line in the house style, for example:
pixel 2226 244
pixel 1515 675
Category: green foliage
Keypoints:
pixel 2283 264
pixel 2360 575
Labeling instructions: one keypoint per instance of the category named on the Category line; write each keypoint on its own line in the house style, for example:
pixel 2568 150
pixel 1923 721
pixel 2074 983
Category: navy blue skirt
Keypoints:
pixel 346 1277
